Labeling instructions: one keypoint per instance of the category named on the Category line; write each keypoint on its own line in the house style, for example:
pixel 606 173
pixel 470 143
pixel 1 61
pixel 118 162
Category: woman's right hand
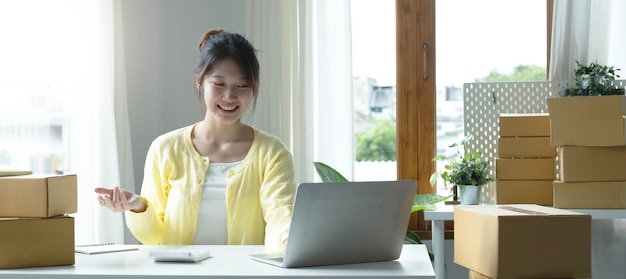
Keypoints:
pixel 118 200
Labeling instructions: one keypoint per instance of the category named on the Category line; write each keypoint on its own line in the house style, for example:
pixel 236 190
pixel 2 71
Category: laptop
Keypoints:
pixel 346 223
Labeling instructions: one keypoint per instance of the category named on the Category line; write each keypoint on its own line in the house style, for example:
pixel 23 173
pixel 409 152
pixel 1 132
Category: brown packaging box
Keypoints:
pixel 476 275
pixel 525 147
pixel 524 191
pixel 38 195
pixel 522 241
pixel 588 164
pixel 525 169
pixel 597 194
pixel 12 172
pixel 524 125
pixel 588 120
pixel 34 242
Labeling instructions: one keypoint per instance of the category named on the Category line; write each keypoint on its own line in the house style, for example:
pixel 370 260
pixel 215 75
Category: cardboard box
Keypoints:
pixel 525 147
pixel 588 164
pixel 524 191
pixel 31 242
pixel 522 241
pixel 588 120
pixel 38 195
pixel 476 275
pixel 524 125
pixel 599 195
pixel 525 169
pixel 12 172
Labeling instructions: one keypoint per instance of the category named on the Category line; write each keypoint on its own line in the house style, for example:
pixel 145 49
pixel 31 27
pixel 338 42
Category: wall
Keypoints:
pixel 160 40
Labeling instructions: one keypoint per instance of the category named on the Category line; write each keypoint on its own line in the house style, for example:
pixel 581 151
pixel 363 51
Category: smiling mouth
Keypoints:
pixel 227 108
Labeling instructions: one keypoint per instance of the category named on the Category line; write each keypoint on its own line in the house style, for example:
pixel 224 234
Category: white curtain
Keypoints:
pixel 587 31
pixel 94 137
pixel 306 80
pixel 122 125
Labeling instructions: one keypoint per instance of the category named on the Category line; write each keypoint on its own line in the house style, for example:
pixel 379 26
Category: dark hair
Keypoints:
pixel 216 46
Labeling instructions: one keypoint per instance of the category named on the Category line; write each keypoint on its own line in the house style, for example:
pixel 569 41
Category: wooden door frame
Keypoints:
pixel 416 96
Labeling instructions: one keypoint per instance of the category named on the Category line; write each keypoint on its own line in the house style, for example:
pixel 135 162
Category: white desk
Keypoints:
pixel 446 213
pixel 230 262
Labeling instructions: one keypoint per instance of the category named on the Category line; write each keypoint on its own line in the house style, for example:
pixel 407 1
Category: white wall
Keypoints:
pixel 160 40
pixel 160 44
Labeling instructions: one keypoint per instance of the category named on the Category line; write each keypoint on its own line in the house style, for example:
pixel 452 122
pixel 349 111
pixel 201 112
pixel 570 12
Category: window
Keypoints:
pixel 33 129
pixel 37 66
pixel 56 88
pixel 374 89
pixel 494 39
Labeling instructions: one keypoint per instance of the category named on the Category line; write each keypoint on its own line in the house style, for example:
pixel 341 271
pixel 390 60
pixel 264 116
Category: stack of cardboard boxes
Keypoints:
pixel 522 241
pixel 590 133
pixel 34 227
pixel 525 167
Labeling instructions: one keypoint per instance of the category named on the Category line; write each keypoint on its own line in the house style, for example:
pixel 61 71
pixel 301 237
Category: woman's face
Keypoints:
pixel 227 93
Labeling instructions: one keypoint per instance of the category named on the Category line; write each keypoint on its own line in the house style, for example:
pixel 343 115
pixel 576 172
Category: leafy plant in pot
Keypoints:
pixel 420 201
pixel 467 173
pixel 594 80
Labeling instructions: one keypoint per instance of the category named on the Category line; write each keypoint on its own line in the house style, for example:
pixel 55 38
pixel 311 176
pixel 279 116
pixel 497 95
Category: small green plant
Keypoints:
pixel 468 169
pixel 420 201
pixel 594 80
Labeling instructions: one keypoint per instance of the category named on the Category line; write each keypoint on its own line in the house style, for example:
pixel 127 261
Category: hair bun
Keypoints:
pixel 205 37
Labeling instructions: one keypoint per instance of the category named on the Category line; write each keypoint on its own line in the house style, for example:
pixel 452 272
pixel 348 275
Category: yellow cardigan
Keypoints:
pixel 259 192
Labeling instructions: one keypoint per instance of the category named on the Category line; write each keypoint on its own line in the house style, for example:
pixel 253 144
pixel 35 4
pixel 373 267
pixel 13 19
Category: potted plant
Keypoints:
pixel 594 80
pixel 467 173
pixel 420 201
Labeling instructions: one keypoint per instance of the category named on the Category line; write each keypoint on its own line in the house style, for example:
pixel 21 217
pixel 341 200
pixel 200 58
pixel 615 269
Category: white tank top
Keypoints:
pixel 211 229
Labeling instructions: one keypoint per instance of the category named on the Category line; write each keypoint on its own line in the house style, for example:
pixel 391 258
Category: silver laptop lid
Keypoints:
pixel 349 222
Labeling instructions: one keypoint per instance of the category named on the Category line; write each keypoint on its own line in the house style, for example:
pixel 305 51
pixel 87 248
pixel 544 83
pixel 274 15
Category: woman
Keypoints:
pixel 218 181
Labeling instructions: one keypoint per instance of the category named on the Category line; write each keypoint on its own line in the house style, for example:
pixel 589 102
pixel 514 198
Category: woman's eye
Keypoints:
pixel 242 86
pixel 218 84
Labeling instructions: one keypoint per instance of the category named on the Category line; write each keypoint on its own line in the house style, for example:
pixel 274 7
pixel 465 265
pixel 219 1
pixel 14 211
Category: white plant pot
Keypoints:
pixel 469 194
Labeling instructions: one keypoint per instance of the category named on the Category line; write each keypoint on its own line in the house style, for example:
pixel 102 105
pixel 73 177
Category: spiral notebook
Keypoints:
pixel 100 248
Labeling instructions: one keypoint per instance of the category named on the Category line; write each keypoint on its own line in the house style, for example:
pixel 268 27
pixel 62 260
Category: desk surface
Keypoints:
pixel 230 262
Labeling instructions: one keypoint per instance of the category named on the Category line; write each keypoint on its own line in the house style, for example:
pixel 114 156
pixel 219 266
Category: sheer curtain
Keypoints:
pixel 306 80
pixel 587 31
pixel 100 131
pixel 93 134
pixel 57 73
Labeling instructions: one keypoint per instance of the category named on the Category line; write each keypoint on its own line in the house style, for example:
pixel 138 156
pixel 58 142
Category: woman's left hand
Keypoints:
pixel 118 200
